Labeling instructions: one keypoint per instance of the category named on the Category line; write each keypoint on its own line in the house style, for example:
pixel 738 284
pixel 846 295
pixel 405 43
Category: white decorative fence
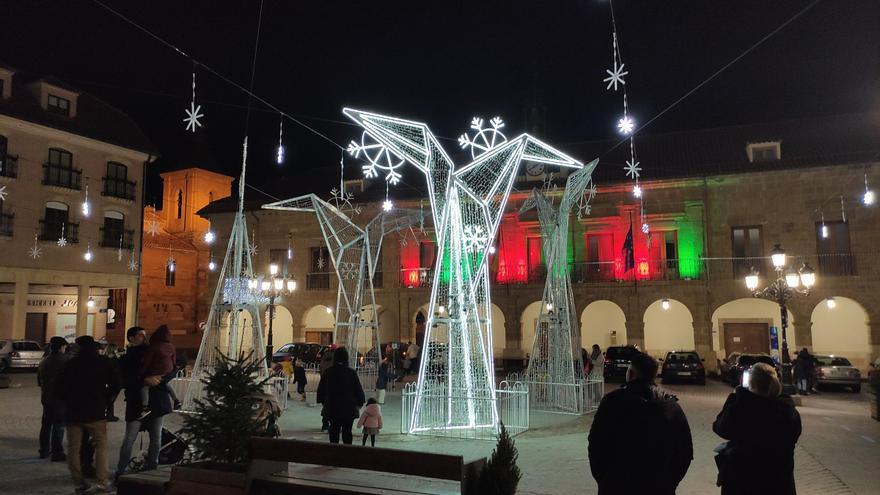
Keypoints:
pixel 277 386
pixel 438 405
pixel 581 397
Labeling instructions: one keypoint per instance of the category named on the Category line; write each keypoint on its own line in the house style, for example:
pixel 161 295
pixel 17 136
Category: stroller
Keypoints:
pixel 171 451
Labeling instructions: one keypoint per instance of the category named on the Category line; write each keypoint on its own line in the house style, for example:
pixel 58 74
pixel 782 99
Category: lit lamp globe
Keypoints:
pixel 291 285
pixel 273 269
pixel 792 278
pixel 252 283
pixel 808 276
pixel 665 304
pixel 777 256
pixel 265 285
pixel 278 283
pixel 752 280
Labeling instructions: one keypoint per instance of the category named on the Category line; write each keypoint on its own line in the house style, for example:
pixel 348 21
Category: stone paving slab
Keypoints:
pixel 839 452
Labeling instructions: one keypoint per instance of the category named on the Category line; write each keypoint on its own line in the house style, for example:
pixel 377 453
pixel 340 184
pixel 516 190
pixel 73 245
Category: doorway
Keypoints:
pixel 35 327
pixel 323 338
pixel 746 337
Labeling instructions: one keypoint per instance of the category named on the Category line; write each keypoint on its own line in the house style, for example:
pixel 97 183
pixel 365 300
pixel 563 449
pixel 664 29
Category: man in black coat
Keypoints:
pixel 160 403
pixel 342 396
pixel 52 426
pixel 84 385
pixel 640 441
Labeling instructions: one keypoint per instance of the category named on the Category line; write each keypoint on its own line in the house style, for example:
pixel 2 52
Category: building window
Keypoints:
pixel 534 260
pixel 59 171
pixel 835 257
pixel 116 183
pixel 748 250
pixel 179 204
pixel 354 186
pixel 600 258
pixel 169 274
pixel 113 233
pixel 56 221
pixel 764 152
pixel 318 277
pixel 58 105
pixel 8 164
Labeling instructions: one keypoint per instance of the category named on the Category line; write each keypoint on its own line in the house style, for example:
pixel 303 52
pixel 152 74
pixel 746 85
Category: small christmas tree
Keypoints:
pixel 501 475
pixel 222 424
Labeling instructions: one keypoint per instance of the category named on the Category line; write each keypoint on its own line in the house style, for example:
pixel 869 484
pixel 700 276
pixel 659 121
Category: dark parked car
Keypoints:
pixel 683 366
pixel 837 370
pixel 306 352
pixel 737 363
pixel 617 360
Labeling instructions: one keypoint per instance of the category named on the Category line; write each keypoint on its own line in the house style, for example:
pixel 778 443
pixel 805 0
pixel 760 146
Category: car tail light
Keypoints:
pixel 14 354
pixel 699 366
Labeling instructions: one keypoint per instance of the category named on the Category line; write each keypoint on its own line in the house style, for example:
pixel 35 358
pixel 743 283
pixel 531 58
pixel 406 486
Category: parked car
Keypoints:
pixel 683 366
pixel 837 370
pixel 737 363
pixel 617 360
pixel 20 354
pixel 306 352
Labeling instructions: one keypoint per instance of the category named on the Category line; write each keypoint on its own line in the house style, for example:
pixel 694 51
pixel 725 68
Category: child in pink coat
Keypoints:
pixel 371 421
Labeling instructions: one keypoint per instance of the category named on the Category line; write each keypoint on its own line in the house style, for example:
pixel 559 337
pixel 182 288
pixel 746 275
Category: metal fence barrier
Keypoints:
pixel 581 397
pixel 277 386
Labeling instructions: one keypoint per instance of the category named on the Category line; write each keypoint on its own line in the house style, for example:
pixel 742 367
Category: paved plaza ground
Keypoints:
pixel 838 453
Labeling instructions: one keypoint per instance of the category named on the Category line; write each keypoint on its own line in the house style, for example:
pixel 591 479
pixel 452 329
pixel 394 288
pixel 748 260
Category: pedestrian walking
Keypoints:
pixel 325 364
pixel 110 350
pixel 383 379
pixel 412 353
pixel 84 385
pixel 804 368
pixel 299 378
pixel 158 360
pixel 52 424
pixel 341 395
pixel 160 403
pixel 371 422
pixel 640 440
pixel 761 427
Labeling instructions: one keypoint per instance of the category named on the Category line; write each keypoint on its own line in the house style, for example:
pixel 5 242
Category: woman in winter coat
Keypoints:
pixel 385 377
pixel 159 360
pixel 371 421
pixel 762 428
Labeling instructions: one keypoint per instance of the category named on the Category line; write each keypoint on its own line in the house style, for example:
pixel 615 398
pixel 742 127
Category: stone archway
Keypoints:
pixel 668 329
pixel 528 322
pixel 749 310
pixel 842 330
pixel 282 326
pixel 603 323
pixel 318 323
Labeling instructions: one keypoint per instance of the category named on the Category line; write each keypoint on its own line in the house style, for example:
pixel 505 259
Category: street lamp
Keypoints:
pixel 788 284
pixel 273 286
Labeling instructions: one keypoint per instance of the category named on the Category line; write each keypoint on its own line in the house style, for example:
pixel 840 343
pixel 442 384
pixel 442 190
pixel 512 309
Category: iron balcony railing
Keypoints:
pixel 9 166
pixel 7 222
pixel 111 238
pixel 119 188
pixel 51 230
pixel 61 176
pixel 416 277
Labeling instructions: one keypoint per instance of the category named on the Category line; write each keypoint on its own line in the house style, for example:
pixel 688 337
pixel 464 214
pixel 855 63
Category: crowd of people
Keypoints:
pixel 80 383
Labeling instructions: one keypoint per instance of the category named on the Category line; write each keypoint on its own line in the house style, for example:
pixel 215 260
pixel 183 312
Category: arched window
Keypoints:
pixel 179 204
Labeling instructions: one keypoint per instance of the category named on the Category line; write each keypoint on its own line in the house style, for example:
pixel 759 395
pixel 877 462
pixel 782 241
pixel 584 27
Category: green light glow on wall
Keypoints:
pixel 690 246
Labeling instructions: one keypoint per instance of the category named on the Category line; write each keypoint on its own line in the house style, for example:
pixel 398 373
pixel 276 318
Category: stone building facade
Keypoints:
pixel 716 203
pixel 61 148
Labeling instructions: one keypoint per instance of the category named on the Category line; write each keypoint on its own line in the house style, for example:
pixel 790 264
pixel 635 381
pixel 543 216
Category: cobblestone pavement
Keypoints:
pixel 839 451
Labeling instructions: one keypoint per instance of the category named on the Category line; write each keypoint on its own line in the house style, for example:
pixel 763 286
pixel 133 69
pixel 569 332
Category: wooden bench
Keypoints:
pixel 301 467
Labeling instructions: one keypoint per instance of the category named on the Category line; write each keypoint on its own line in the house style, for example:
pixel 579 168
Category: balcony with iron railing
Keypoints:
pixel 111 238
pixel 9 166
pixel 416 277
pixel 119 188
pixel 51 230
pixel 318 281
pixel 7 222
pixel 61 176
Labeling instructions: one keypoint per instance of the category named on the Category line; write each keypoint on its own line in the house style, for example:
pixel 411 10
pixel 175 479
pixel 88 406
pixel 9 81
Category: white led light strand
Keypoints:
pixel 279 153
pixel 193 113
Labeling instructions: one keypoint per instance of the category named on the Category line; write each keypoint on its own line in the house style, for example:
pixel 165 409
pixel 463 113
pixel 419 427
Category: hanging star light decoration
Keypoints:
pixel 632 169
pixel 387 205
pixel 615 76
pixel 252 247
pixel 3 193
pixel 132 263
pixel 62 241
pixel 194 113
pixel 35 251
pixel 485 138
pixel 321 263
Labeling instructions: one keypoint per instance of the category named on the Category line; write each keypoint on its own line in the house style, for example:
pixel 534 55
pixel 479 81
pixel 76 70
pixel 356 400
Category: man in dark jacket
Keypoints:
pixel 52 426
pixel 342 396
pixel 640 441
pixel 84 385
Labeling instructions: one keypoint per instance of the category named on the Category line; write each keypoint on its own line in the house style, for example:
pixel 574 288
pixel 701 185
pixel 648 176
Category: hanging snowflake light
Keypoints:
pixel 193 114
pixel 86 206
pixel 252 248
pixel 153 227
pixel 379 158
pixel 62 241
pixel 210 237
pixel 625 125
pixel 645 228
pixel 632 169
pixel 637 191
pixel 342 200
pixel 279 154
pixel 485 138
pixel 321 263
pixel 35 251
pixel 474 237
pixel 387 205
pixel 3 193
pixel 132 262
pixel 212 265
pixel 615 76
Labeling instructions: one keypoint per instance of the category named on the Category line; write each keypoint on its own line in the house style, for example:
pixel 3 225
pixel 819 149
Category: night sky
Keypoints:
pixel 443 62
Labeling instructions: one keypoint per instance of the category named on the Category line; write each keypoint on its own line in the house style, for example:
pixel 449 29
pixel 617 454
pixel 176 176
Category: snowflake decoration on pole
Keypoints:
pixel 485 138
pixel 62 241
pixel 35 251
pixel 474 237
pixel 342 201
pixel 153 227
pixel 252 247
pixel 593 190
pixel 632 169
pixel 615 76
pixel 379 158
pixel 625 125
pixel 193 114
pixel 403 241
pixel 584 207
pixel 3 193
pixel 349 270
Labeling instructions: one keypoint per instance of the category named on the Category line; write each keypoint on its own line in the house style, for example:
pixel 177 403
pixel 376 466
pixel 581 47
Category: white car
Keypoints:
pixel 20 354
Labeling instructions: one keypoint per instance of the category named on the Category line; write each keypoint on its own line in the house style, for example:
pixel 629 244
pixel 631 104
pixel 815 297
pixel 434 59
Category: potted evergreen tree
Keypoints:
pixel 501 475
pixel 219 430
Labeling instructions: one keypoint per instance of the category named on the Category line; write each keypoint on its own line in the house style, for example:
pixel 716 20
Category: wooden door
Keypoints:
pixel 746 337
pixel 35 327
pixel 323 338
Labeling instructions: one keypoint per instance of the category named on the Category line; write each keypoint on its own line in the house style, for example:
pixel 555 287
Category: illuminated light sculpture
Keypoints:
pixel 455 394
pixel 354 254
pixel 233 327
pixel 555 373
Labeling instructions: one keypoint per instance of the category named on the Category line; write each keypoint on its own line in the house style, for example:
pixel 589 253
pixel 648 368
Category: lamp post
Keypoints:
pixel 273 286
pixel 788 284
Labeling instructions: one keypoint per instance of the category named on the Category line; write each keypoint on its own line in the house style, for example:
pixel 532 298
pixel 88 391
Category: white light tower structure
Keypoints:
pixel 455 393
pixel 234 326
pixel 354 253
pixel 555 373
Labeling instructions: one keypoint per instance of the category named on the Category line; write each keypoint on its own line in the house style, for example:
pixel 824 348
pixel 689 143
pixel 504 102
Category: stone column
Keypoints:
pixel 130 308
pixel 19 311
pixel 82 309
